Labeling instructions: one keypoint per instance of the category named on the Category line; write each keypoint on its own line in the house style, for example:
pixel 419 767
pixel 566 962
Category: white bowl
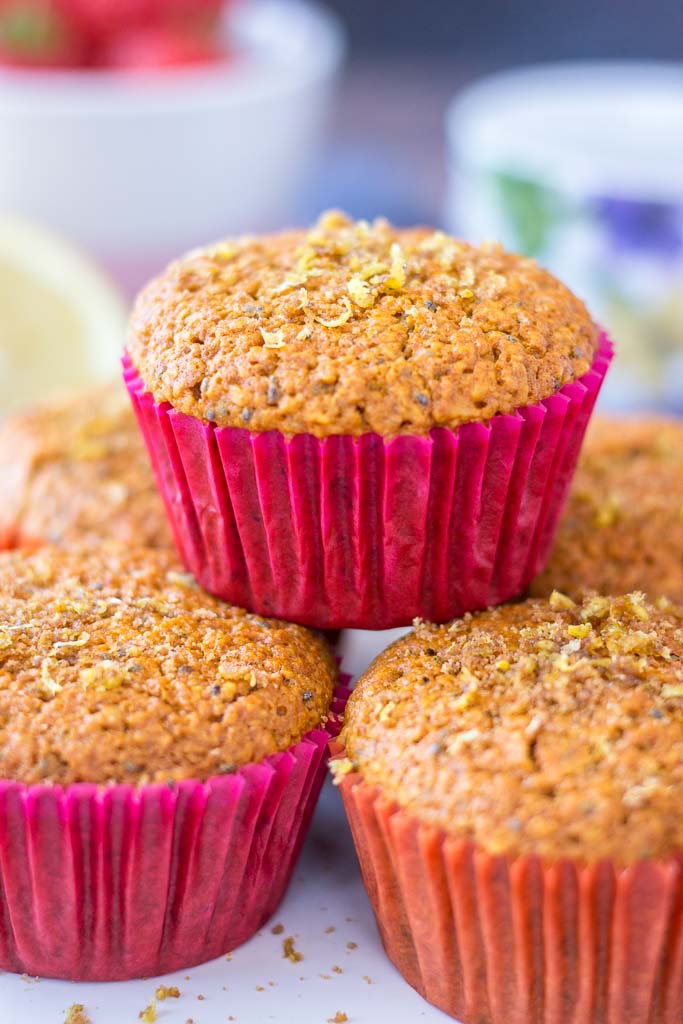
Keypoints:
pixel 140 167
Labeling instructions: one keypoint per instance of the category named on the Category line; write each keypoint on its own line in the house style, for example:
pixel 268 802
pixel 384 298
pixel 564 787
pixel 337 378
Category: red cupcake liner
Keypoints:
pixel 493 939
pixel 118 882
pixel 362 531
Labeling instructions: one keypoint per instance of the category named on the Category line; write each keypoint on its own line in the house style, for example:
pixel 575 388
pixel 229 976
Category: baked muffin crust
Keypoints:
pixel 77 471
pixel 114 667
pixel 544 727
pixel 355 327
pixel 622 529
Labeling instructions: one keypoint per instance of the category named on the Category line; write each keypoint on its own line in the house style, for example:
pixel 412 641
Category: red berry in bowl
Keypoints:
pixel 101 19
pixel 153 48
pixel 39 33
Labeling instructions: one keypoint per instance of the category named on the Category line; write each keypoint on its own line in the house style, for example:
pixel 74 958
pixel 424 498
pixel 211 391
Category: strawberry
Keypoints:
pixel 101 19
pixel 147 49
pixel 39 33
pixel 104 18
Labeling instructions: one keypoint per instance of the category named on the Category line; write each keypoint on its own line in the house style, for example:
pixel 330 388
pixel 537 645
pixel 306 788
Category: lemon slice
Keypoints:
pixel 62 322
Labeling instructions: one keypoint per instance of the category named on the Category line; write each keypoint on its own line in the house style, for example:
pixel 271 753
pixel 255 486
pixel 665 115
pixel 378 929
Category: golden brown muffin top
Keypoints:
pixel 352 328
pixel 543 727
pixel 622 529
pixel 77 471
pixel 115 667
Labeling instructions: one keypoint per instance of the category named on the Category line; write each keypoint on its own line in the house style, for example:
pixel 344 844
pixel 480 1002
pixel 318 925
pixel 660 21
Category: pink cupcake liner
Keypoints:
pixel 494 939
pixel 362 531
pixel 117 882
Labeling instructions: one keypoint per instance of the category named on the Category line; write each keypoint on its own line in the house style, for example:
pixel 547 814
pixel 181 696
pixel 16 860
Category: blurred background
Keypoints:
pixel 132 130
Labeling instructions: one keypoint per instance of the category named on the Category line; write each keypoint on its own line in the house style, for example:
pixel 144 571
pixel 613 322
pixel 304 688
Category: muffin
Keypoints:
pixel 623 526
pixel 514 782
pixel 160 754
pixel 76 471
pixel 340 417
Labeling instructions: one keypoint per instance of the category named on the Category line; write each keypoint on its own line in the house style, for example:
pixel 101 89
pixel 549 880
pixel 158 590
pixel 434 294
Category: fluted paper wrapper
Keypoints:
pixel 107 883
pixel 494 939
pixel 362 531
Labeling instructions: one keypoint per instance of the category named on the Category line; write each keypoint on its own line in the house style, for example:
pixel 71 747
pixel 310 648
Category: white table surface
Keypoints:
pixel 258 985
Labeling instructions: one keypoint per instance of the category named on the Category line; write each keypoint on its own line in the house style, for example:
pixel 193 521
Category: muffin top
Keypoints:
pixel 353 328
pixel 623 526
pixel 116 668
pixel 76 471
pixel 545 727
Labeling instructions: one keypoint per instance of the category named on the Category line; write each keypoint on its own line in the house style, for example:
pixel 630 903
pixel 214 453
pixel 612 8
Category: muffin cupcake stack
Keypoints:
pixel 353 426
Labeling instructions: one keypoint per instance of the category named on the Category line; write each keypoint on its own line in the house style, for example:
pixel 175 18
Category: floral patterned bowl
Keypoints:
pixel 579 165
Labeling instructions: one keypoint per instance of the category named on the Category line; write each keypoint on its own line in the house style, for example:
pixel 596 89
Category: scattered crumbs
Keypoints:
pixel 352 945
pixel 325 977
pixel 328 931
pixel 167 992
pixel 187 976
pixel 29 980
pixel 201 998
pixel 349 919
pixel 149 1014
pixel 225 988
pixel 340 767
pixel 277 929
pixel 231 1017
pixel 368 980
pixel 260 988
pixel 229 956
pixel 271 984
pixel 289 952
pixel 76 1014
pixel 339 1018
pixel 337 969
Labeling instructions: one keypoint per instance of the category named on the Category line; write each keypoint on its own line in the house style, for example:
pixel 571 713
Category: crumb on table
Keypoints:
pixel 76 1015
pixel 289 952
pixel 149 1014
pixel 167 992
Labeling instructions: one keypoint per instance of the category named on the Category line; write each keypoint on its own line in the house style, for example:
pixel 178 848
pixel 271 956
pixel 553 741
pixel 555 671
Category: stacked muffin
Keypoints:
pixel 513 782
pixel 76 471
pixel 359 424
pixel 622 529
pixel 355 426
pixel 157 744
pixel 144 722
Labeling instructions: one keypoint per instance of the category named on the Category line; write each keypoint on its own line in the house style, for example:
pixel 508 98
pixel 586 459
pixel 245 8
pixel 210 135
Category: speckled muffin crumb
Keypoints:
pixel 623 526
pixel 547 727
pixel 77 471
pixel 114 667
pixel 354 327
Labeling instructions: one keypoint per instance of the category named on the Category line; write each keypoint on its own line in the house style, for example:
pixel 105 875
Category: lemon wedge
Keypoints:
pixel 62 322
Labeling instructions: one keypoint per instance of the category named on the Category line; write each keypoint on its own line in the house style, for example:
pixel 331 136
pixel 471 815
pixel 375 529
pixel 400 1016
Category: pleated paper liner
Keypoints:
pixel 108 883
pixel 491 939
pixel 366 532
